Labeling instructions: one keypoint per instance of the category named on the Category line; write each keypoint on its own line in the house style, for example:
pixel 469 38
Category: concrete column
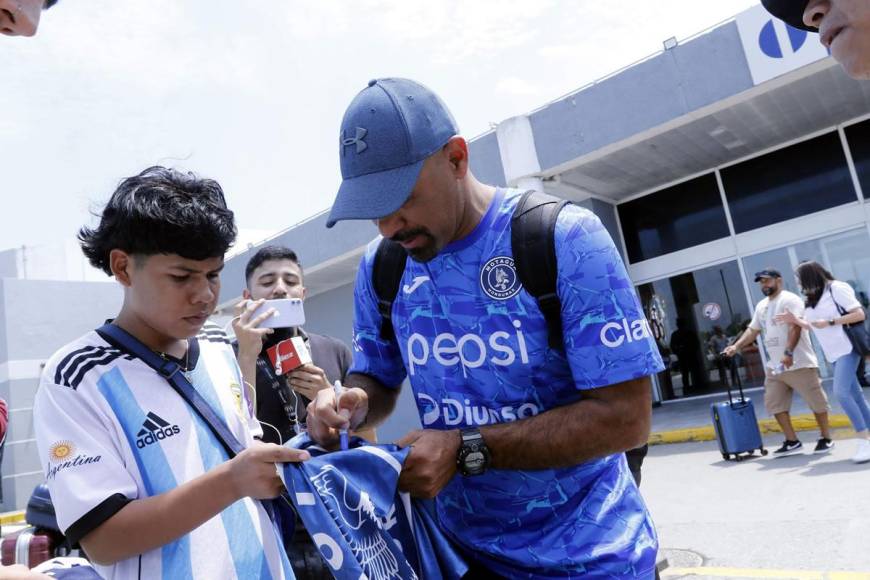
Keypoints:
pixel 519 157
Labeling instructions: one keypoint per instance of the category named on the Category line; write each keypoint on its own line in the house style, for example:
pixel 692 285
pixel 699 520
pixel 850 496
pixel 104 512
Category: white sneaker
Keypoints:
pixel 862 452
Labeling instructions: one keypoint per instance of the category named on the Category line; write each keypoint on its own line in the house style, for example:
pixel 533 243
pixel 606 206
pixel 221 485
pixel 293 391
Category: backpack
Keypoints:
pixel 533 226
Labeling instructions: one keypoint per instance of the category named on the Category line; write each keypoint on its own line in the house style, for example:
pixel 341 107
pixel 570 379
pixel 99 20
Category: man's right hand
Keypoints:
pixel 324 420
pixel 253 472
pixel 247 328
pixel 730 350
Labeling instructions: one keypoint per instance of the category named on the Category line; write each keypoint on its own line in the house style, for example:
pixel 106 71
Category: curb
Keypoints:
pixel 705 433
pixel 9 518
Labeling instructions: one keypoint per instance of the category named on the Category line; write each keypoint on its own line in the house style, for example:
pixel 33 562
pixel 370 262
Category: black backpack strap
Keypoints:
pixel 387 272
pixel 533 227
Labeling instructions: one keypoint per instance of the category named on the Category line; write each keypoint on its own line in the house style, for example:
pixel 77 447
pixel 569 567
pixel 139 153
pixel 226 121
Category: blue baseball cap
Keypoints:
pixel 789 11
pixel 387 132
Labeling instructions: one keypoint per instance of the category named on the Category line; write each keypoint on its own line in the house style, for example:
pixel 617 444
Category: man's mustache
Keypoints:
pixel 408 234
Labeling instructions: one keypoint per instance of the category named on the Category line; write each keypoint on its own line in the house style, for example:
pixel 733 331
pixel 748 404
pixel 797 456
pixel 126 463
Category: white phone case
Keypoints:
pixel 290 313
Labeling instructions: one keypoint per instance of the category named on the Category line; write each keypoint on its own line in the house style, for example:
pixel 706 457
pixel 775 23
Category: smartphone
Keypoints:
pixel 289 313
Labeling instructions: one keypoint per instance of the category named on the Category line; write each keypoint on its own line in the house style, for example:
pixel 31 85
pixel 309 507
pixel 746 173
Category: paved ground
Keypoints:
pixel 803 517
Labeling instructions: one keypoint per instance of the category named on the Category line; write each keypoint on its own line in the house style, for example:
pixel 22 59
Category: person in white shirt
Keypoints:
pixel 831 304
pixel 791 362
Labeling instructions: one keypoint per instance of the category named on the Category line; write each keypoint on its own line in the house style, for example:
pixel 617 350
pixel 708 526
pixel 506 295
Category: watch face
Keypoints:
pixel 475 460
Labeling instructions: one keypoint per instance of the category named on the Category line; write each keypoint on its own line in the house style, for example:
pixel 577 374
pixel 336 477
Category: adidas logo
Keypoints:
pixel 154 429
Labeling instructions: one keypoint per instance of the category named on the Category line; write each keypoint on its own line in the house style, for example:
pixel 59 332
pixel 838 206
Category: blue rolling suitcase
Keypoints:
pixel 736 427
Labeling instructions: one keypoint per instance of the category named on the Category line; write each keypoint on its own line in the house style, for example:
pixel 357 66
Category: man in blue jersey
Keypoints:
pixel 521 443
pixel 136 473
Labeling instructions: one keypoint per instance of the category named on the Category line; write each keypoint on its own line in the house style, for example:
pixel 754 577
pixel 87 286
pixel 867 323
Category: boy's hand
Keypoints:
pixel 253 472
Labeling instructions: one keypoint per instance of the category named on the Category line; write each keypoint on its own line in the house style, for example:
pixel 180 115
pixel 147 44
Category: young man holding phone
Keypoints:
pixel 275 273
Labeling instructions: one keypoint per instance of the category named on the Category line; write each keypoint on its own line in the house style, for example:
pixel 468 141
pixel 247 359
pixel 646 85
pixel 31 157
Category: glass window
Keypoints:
pixel 672 219
pixel 693 317
pixel 858 136
pixel 788 183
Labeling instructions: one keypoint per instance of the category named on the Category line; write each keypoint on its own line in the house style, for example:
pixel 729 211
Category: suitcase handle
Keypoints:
pixel 730 398
pixel 22 547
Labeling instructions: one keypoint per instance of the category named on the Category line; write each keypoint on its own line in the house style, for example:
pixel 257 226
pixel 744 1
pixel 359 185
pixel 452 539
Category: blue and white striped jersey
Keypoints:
pixel 473 345
pixel 111 430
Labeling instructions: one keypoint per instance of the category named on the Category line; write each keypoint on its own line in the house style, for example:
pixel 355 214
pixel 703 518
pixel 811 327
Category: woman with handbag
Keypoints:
pixel 836 317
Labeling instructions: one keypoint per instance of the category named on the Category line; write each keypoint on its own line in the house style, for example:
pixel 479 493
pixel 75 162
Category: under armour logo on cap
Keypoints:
pixel 398 123
pixel 355 140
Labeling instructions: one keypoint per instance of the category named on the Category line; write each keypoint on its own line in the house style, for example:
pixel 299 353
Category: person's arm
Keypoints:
pixel 789 317
pixel 851 317
pixel 364 404
pixel 748 336
pixel 794 336
pixel 844 296
pixel 606 420
pixel 146 524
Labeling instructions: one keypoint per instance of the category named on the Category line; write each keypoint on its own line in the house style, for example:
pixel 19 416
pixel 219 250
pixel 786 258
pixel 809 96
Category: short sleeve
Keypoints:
pixel 607 337
pixel 372 355
pixel 844 295
pixel 795 305
pixel 84 468
pixel 755 323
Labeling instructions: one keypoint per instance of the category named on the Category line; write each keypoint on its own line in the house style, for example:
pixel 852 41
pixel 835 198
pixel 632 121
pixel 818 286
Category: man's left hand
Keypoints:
pixel 787 361
pixel 308 380
pixel 431 464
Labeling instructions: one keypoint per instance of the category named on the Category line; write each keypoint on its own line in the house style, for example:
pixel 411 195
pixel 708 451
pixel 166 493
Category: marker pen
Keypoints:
pixel 342 433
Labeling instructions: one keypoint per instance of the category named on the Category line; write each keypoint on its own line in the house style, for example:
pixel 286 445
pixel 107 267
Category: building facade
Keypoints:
pixel 741 148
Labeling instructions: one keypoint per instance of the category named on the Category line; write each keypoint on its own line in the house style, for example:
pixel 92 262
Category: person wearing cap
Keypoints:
pixel 791 362
pixel 21 17
pixel 522 444
pixel 843 27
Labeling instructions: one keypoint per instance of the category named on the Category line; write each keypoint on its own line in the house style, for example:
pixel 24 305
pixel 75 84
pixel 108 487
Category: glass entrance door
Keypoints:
pixel 693 317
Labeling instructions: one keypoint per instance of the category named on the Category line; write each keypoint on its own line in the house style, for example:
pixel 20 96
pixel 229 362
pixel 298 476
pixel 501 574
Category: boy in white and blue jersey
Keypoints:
pixel 536 433
pixel 135 473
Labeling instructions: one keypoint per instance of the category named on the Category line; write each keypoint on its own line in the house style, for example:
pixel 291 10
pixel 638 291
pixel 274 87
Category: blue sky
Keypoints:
pixel 252 94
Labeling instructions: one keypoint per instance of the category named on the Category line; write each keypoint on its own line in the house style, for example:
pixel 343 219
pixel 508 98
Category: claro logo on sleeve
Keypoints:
pixel 615 334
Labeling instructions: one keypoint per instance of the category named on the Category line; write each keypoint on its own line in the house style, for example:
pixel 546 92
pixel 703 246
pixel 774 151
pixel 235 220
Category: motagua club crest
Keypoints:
pixel 499 279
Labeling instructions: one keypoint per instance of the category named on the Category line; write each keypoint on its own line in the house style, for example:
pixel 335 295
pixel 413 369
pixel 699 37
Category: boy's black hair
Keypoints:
pixel 48 4
pixel 266 254
pixel 162 211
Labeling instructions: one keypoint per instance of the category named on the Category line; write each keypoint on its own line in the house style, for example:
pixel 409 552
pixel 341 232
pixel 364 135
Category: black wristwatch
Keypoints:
pixel 473 456
pixel 788 352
